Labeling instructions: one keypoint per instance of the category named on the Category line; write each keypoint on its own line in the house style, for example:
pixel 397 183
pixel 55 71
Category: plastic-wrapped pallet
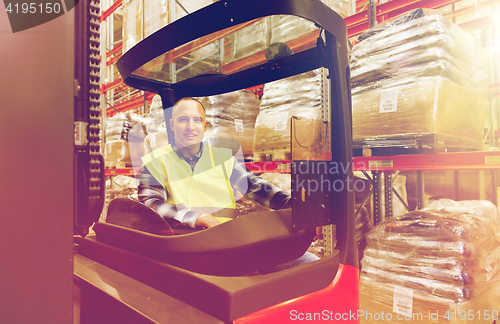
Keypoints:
pixel 117 152
pixel 156 127
pixel 114 127
pixel 130 136
pixel 299 95
pixel 124 137
pixel 232 116
pixel 249 40
pixel 342 7
pixel 116 147
pixel 425 46
pixel 279 28
pixel 156 16
pixel 122 187
pixel 428 106
pixel 285 28
pixel 437 263
pixel 132 23
pixel 185 7
pixel 416 76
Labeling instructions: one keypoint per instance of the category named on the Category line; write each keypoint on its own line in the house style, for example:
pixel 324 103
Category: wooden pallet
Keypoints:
pixel 273 155
pixel 118 165
pixel 414 144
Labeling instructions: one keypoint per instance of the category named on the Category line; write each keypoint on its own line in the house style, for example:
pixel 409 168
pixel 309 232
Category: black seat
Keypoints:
pixel 238 247
pixel 132 214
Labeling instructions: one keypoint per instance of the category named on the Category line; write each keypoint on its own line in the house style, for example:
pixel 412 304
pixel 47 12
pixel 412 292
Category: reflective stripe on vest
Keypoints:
pixel 207 188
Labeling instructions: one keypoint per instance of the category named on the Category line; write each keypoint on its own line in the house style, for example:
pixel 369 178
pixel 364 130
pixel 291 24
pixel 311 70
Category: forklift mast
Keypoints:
pixel 46 81
pixel 88 161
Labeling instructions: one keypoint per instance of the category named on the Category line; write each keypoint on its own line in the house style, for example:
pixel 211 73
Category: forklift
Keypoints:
pixel 133 268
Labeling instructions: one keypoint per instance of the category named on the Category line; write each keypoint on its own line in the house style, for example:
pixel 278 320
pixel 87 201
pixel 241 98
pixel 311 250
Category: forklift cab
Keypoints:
pixel 212 275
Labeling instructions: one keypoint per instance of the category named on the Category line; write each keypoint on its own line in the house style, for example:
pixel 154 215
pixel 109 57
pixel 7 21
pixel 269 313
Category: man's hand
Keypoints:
pixel 206 220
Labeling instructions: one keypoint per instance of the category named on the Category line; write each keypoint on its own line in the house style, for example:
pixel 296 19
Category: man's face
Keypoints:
pixel 188 123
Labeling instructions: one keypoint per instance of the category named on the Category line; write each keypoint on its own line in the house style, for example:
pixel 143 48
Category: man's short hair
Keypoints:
pixel 187 99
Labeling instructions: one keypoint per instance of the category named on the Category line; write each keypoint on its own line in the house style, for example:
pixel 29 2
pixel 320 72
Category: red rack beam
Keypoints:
pixel 486 160
pixel 131 104
pixel 111 85
pixel 495 90
pixel 479 23
pixel 356 19
pixel 268 166
pixel 115 51
pixel 113 55
pixel 113 60
pixel 470 9
pixel 106 13
pixel 357 30
pixel 397 7
pixel 124 171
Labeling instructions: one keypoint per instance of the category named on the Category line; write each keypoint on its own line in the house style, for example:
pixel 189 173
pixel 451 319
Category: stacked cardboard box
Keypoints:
pixel 418 77
pixel 156 15
pixel 142 18
pixel 125 133
pixel 131 136
pixel 263 32
pixel 299 96
pixel 156 127
pixel 116 148
pixel 232 116
pixel 441 260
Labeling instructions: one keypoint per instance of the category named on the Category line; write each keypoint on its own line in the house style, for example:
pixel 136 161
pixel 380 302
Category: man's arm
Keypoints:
pixel 262 191
pixel 258 189
pixel 154 195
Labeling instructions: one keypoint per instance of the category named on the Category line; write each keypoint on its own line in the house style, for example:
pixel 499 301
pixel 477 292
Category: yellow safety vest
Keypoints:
pixel 206 188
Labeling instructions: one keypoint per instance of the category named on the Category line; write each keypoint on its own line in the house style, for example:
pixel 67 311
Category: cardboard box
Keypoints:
pixel 429 106
pixel 436 265
pixel 155 141
pixel 117 151
pixel 379 300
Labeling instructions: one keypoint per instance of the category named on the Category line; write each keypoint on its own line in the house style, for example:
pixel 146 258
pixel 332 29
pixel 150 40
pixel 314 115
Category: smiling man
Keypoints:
pixel 189 125
pixel 190 183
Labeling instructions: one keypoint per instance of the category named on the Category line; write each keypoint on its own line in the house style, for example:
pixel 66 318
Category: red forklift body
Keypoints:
pixel 218 281
pixel 336 303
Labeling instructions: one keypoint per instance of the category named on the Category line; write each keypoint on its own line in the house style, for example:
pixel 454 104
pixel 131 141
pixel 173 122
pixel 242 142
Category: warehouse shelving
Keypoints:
pixel 386 168
pixel 390 167
pixel 380 170
pixel 357 23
